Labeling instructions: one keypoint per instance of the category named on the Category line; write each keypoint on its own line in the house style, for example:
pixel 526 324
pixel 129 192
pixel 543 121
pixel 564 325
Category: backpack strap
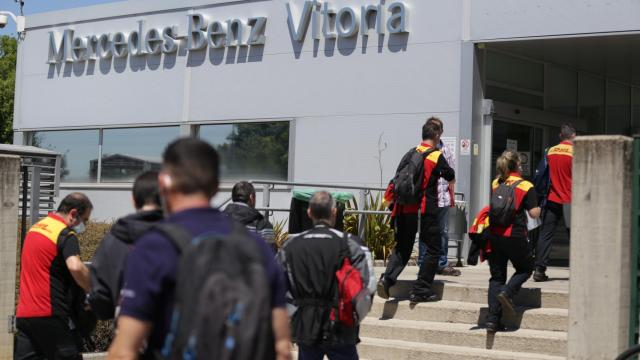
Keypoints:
pixel 516 183
pixel 179 236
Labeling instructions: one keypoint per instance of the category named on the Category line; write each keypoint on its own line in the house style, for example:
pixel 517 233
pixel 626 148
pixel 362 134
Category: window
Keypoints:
pixel 250 150
pixel 515 72
pixel 78 149
pixel 515 81
pixel 592 102
pixel 128 152
pixel 562 90
pixel 618 108
pixel 509 96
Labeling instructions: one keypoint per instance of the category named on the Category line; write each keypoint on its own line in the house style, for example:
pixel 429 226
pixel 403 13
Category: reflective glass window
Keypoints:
pixel 562 90
pixel 514 97
pixel 250 150
pixel 128 152
pixel 618 108
pixel 591 100
pixel 515 71
pixel 79 149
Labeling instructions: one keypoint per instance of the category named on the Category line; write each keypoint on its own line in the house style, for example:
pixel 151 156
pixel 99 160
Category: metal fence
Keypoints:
pixel 362 192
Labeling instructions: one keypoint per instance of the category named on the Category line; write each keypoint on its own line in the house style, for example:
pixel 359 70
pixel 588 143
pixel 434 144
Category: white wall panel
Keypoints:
pixel 343 150
pixel 284 78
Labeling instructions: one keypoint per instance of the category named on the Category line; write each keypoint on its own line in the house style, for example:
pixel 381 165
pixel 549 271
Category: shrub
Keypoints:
pixel 279 232
pixel 379 233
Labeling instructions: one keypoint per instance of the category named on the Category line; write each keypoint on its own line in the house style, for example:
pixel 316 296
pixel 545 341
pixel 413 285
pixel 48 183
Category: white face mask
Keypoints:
pixel 80 228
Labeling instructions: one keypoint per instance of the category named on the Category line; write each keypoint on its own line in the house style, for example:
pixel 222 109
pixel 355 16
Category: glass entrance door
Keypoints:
pixel 526 139
pixel 529 141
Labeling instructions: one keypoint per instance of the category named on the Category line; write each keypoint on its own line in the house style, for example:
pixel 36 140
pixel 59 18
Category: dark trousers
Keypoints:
pixel 503 250
pixel 345 352
pixel 443 222
pixel 49 338
pixel 551 217
pixel 406 226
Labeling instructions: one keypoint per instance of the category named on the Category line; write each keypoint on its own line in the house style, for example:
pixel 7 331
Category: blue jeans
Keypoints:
pixel 443 223
pixel 345 352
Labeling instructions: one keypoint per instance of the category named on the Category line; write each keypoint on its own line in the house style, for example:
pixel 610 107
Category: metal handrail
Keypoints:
pixel 627 354
pixel 363 191
pixel 330 186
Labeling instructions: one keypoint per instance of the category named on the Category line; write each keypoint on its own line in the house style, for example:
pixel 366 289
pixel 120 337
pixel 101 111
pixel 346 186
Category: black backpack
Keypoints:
pixel 503 204
pixel 407 183
pixel 542 179
pixel 223 300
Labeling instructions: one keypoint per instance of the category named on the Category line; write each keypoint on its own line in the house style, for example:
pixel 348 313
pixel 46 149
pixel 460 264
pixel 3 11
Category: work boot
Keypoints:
pixel 449 271
pixel 540 276
pixel 383 287
pixel 508 306
pixel 494 326
pixel 430 296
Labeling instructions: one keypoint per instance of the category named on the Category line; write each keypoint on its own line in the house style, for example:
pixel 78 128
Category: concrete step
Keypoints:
pixel 381 349
pixel 528 296
pixel 549 319
pixel 523 340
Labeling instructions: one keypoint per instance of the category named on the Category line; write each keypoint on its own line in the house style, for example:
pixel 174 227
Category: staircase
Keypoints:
pixel 452 327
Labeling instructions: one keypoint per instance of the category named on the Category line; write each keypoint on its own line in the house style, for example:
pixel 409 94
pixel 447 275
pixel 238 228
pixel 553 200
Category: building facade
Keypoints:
pixel 320 91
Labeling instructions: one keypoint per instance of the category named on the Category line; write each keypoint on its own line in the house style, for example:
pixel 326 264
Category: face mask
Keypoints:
pixel 80 228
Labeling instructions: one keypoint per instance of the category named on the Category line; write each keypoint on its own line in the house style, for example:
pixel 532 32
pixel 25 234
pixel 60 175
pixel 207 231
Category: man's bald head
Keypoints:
pixel 322 208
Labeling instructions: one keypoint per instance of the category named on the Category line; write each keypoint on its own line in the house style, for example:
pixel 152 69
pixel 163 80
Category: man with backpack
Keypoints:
pixel 109 262
pixel 446 200
pixel 199 285
pixel 414 195
pixel 243 210
pixel 331 285
pixel 558 198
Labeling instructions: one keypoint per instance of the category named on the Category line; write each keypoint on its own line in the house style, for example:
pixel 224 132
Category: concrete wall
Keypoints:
pixel 9 189
pixel 600 247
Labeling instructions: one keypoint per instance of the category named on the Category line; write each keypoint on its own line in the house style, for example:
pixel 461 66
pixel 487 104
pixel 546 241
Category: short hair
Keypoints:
pixel 242 191
pixel 320 205
pixel 75 200
pixel 430 131
pixel 437 121
pixel 145 189
pixel 193 166
pixel 567 131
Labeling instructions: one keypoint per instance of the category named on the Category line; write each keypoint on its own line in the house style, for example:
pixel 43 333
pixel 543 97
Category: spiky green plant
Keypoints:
pixel 280 234
pixel 379 233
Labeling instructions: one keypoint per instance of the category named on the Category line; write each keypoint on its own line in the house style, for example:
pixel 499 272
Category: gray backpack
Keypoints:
pixel 503 204
pixel 223 300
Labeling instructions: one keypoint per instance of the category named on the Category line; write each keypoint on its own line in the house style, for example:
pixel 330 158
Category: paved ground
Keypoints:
pixel 478 276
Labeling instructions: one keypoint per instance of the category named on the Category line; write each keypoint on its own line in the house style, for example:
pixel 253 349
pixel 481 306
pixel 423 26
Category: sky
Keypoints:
pixel 38 6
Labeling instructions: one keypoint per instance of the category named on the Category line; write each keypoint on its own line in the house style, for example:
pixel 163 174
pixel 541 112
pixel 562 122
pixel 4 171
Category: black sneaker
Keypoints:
pixel 507 304
pixel 383 288
pixel 493 326
pixel 540 276
pixel 431 296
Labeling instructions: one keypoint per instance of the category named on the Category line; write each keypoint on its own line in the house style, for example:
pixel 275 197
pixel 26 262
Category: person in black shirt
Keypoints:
pixel 243 210
pixel 109 262
pixel 406 217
